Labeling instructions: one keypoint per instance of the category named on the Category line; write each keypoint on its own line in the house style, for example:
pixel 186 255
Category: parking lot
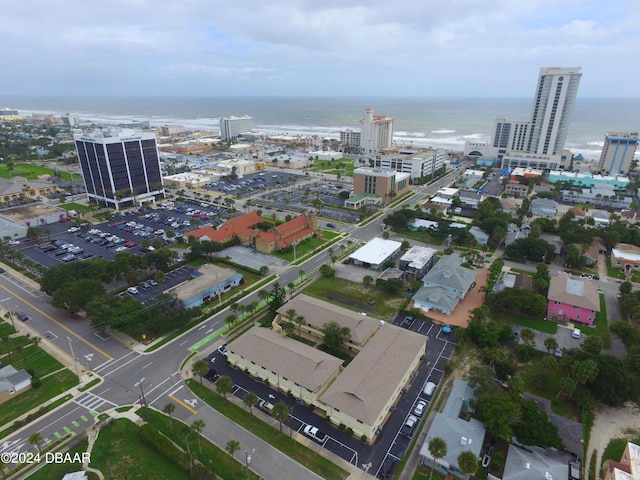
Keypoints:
pixel 253 183
pixel 391 445
pixel 125 232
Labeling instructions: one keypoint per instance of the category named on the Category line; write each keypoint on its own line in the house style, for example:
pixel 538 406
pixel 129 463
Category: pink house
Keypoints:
pixel 572 299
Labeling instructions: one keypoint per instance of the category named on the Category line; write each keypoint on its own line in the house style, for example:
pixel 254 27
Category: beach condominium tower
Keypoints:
pixel 232 127
pixel 120 168
pixel 376 132
pixel 552 109
pixel 617 153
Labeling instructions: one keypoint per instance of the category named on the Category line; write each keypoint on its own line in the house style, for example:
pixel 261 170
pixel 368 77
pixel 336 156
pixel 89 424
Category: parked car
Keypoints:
pixel 133 290
pixel 409 424
pixel 388 466
pixel 314 433
pixel 419 410
pixel 576 333
pixel 429 388
pixel 222 349
pixel 23 316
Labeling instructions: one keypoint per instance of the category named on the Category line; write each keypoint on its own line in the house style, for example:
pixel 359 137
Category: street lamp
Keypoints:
pixel 75 362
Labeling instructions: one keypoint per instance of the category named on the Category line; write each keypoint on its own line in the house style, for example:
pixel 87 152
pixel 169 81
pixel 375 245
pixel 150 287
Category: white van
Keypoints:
pixel 575 333
pixel 429 388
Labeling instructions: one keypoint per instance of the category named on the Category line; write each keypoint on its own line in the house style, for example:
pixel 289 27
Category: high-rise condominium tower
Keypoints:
pixel 552 109
pixel 120 168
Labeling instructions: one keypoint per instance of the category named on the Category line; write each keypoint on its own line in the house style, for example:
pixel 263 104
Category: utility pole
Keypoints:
pixel 139 384
pixel 75 362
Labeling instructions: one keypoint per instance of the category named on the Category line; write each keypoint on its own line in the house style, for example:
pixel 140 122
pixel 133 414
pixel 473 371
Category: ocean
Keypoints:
pixel 420 122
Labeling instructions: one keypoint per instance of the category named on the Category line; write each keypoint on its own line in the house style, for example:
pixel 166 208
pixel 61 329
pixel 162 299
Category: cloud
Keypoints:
pixel 375 47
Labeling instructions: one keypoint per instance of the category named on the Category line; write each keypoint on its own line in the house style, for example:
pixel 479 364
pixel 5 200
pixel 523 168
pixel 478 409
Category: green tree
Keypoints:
pixel 550 344
pixel 224 385
pixel 593 345
pixel 527 336
pixel 326 270
pixel 335 336
pixel 468 462
pixel 230 320
pixel 200 368
pixel 169 408
pixel 367 280
pixel 35 439
pixel 566 387
pixel 534 428
pixel 197 426
pixel 549 364
pixel 499 413
pixel 438 449
pixel 250 400
pixel 232 447
pixel 280 412
pixel 584 371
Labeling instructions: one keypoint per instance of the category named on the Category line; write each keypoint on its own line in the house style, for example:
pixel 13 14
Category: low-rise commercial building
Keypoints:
pixel 13 382
pixel 375 252
pixel 206 283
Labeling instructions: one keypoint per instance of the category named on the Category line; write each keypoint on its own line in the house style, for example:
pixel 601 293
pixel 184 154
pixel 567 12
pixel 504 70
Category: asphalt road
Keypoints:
pixel 123 369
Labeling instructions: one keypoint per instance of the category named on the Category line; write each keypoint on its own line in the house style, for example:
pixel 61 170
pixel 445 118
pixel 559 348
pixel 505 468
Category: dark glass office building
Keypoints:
pixel 120 168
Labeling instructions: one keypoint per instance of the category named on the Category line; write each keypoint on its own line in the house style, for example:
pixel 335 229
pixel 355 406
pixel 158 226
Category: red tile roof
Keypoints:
pixel 234 226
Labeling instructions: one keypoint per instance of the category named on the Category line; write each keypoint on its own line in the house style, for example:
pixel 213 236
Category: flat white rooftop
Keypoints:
pixel 376 251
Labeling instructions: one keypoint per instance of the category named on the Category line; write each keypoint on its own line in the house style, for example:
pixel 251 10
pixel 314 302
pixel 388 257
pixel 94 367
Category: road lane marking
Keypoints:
pixel 180 402
pixel 67 329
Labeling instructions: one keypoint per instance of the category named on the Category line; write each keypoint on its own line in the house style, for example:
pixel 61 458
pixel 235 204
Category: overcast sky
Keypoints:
pixel 447 48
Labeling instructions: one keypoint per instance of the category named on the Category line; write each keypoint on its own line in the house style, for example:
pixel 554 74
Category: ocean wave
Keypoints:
pixel 444 130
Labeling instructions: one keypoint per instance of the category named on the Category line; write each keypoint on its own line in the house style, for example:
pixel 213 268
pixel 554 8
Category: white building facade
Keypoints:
pixel 376 132
pixel 231 127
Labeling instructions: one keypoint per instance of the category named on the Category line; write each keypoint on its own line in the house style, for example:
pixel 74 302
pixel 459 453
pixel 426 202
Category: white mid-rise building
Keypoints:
pixel 232 127
pixel 376 132
pixel 416 164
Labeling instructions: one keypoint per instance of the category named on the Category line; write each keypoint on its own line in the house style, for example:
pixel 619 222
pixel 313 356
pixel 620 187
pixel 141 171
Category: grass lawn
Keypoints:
pixel 6 329
pixel 212 457
pixel 424 473
pixel 602 325
pixel 616 447
pixel 77 207
pixel 560 406
pixel 305 247
pixel 420 236
pixel 540 325
pixel 614 272
pixel 49 388
pixel 356 297
pixel 31 171
pixel 303 455
pixel 59 470
pixel 119 445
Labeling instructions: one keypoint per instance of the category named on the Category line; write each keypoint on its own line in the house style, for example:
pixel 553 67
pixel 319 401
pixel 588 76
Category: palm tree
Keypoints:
pixel 527 336
pixel 437 449
pixel 301 272
pixel 250 400
pixel 169 409
pixel 36 342
pixel 264 295
pixel 200 368
pixel 280 412
pixel 550 344
pixel 232 447
pixel 230 320
pixel 468 462
pixel 197 426
pixel 35 439
pixel 224 385
pixel 300 322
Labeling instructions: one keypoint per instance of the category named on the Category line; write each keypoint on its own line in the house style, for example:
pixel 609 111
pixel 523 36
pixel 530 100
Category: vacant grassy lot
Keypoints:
pixel 560 406
pixel 118 453
pixel 376 302
pixel 31 171
pixel 534 324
